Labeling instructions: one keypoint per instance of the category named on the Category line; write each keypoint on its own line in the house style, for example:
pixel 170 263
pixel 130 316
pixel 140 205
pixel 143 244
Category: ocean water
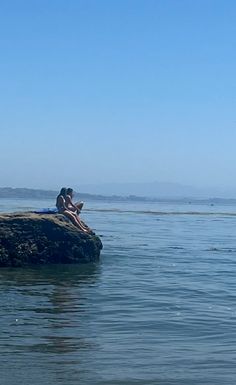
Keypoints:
pixel 158 309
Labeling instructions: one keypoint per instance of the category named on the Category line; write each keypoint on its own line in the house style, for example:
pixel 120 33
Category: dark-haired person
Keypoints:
pixel 60 201
pixel 62 209
pixel 75 207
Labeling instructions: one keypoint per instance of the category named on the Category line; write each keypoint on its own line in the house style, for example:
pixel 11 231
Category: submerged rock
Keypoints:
pixel 33 239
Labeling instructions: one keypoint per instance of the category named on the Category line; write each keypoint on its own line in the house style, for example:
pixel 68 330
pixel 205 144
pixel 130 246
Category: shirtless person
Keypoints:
pixel 75 207
pixel 60 202
pixel 62 209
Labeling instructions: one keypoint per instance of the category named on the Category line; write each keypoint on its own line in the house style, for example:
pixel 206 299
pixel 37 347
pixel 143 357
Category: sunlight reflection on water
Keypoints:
pixel 158 309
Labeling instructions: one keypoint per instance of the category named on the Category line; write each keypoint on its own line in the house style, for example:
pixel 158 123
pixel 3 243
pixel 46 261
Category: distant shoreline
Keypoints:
pixel 27 193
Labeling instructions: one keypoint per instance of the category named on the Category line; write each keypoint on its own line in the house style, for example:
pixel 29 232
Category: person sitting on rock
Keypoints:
pixel 60 201
pixel 74 207
pixel 62 209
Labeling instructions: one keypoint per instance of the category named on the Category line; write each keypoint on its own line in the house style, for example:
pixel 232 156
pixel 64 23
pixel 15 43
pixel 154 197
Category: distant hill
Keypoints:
pixel 147 190
pixel 150 190
pixel 8 192
pixel 27 193
pixel 158 190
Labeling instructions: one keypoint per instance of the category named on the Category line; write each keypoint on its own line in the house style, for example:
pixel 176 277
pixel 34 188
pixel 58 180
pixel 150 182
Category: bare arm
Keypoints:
pixel 61 203
pixel 69 202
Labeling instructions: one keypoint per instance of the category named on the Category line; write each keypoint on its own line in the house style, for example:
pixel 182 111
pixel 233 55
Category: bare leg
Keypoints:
pixel 75 220
pixel 79 206
pixel 86 227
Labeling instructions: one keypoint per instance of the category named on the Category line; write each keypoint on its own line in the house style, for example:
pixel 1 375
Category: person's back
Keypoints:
pixel 60 201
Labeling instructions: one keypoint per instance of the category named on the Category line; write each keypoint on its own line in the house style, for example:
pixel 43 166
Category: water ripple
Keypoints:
pixel 158 310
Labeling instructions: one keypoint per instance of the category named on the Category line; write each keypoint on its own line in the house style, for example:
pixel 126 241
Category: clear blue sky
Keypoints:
pixel 131 90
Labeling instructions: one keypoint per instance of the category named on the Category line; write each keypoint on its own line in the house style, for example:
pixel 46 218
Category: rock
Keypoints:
pixel 33 239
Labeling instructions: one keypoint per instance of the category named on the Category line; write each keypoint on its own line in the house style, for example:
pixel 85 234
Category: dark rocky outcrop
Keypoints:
pixel 32 239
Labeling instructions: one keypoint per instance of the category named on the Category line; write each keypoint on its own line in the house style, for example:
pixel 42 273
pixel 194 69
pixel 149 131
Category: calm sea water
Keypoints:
pixel 159 309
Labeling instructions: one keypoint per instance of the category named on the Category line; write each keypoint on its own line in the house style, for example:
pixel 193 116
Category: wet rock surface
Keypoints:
pixel 33 239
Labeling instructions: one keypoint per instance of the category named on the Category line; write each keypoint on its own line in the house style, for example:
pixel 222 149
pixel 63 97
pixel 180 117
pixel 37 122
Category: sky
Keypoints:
pixel 102 91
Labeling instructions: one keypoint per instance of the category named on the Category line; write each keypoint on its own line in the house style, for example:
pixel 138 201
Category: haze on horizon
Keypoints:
pixel 96 92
